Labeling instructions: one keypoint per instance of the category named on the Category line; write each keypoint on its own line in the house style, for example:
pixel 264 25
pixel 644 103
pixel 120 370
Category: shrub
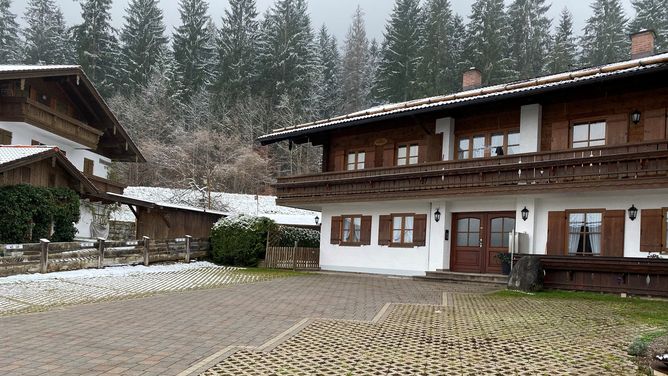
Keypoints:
pixel 241 240
pixel 287 236
pixel 29 213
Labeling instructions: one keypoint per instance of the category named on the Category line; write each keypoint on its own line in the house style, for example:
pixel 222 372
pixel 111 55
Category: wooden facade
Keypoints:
pixel 171 223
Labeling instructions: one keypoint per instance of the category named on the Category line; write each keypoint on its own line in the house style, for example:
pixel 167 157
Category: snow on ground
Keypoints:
pixel 39 292
pixel 232 203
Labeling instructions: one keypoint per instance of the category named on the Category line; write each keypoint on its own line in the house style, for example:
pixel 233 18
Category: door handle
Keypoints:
pixel 480 243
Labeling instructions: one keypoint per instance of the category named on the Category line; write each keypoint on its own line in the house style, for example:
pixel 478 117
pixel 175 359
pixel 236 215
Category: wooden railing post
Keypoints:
pixel 147 240
pixel 44 255
pixel 188 244
pixel 294 258
pixel 100 253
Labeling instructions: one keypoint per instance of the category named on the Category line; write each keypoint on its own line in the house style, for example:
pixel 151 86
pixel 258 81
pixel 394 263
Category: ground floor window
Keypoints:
pixel 402 229
pixel 585 232
pixel 352 229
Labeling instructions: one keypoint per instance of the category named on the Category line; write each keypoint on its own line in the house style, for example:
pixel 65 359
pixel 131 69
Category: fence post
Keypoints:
pixel 294 258
pixel 188 243
pixel 146 245
pixel 44 255
pixel 100 253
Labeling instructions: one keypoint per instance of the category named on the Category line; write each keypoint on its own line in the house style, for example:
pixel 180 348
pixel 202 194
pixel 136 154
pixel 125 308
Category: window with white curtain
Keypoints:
pixel 584 232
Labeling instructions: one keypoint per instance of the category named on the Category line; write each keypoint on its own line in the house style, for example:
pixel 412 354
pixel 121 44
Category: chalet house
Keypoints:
pixel 56 130
pixel 576 164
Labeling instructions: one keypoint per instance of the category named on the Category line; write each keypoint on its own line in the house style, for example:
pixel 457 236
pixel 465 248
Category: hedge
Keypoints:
pixel 304 237
pixel 28 214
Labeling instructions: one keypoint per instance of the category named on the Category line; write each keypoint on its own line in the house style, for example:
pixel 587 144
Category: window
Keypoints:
pixel 5 137
pixel 407 154
pixel 402 229
pixel 499 232
pixel 488 145
pixel 356 161
pixel 589 134
pixel 352 229
pixel 468 232
pixel 88 166
pixel 584 232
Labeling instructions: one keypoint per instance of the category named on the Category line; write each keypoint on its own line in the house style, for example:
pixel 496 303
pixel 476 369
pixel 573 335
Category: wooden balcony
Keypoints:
pixel 34 113
pixel 106 185
pixel 642 165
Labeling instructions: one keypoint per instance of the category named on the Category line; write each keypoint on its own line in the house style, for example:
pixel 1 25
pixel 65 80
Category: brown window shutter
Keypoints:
pixel 655 124
pixel 370 158
pixel 617 129
pixel 651 230
pixel 5 137
pixel 420 230
pixel 560 135
pixel 388 155
pixel 385 230
pixel 556 233
pixel 339 160
pixel 335 236
pixel 365 237
pixel 613 233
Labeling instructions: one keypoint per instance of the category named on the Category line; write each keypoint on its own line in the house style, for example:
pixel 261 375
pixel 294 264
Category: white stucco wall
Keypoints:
pixel 23 134
pixel 436 254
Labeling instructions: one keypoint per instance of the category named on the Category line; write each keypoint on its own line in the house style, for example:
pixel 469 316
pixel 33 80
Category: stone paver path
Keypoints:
pixel 473 334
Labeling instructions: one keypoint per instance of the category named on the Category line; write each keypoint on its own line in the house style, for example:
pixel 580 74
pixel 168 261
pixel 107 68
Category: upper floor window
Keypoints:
pixel 488 145
pixel 356 161
pixel 585 232
pixel 589 134
pixel 407 154
pixel 402 229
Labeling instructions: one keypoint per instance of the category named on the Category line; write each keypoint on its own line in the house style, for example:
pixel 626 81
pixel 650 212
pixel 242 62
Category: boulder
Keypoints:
pixel 527 275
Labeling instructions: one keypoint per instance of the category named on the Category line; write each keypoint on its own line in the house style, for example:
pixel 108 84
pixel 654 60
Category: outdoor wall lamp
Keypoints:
pixel 633 213
pixel 635 117
pixel 525 214
pixel 437 215
pixel 317 220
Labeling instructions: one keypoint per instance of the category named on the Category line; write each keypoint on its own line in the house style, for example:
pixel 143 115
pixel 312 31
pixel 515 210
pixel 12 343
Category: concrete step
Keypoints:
pixel 447 276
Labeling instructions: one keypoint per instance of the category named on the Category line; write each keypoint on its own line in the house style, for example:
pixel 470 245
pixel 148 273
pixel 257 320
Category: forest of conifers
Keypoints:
pixel 196 99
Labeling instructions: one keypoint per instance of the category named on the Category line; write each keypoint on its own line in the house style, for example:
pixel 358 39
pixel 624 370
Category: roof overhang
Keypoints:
pixel 126 200
pixel 115 143
pixel 524 89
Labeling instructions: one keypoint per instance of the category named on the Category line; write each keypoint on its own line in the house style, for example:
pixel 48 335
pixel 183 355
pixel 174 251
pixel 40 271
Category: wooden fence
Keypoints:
pixel 46 257
pixel 295 258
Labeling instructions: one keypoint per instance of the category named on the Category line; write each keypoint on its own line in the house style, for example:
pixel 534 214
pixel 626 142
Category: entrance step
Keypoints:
pixel 446 276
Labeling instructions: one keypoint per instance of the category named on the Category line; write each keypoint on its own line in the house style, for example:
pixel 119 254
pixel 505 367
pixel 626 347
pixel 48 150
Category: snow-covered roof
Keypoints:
pixel 33 68
pixel 10 153
pixel 471 96
pixel 221 202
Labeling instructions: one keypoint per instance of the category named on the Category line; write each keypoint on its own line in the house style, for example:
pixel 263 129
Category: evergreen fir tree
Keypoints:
pixel 530 39
pixel 47 40
pixel 374 62
pixel 440 50
pixel 9 35
pixel 192 49
pixel 563 50
pixel 327 86
pixel 652 15
pixel 237 45
pixel 397 73
pixel 286 55
pixel 486 46
pixel 605 38
pixel 96 44
pixel 143 44
pixel 356 72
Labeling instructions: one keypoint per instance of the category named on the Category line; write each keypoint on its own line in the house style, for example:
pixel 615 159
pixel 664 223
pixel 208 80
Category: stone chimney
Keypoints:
pixel 472 79
pixel 642 44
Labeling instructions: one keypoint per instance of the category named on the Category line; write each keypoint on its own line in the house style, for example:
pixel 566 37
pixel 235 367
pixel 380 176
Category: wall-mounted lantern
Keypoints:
pixel 633 213
pixel 635 117
pixel 317 220
pixel 525 214
pixel 437 215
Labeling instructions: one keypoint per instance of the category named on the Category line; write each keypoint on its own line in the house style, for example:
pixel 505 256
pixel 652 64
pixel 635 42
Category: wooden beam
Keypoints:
pixel 134 211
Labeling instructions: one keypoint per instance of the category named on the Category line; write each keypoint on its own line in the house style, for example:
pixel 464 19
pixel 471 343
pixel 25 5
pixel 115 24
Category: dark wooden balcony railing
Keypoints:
pixel 34 113
pixel 624 166
pixel 106 185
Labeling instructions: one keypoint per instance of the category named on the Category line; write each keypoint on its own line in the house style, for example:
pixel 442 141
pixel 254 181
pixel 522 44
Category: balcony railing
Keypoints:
pixel 625 166
pixel 106 185
pixel 41 116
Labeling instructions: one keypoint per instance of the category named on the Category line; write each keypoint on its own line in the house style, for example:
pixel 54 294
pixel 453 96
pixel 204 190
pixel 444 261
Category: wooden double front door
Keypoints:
pixel 476 240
